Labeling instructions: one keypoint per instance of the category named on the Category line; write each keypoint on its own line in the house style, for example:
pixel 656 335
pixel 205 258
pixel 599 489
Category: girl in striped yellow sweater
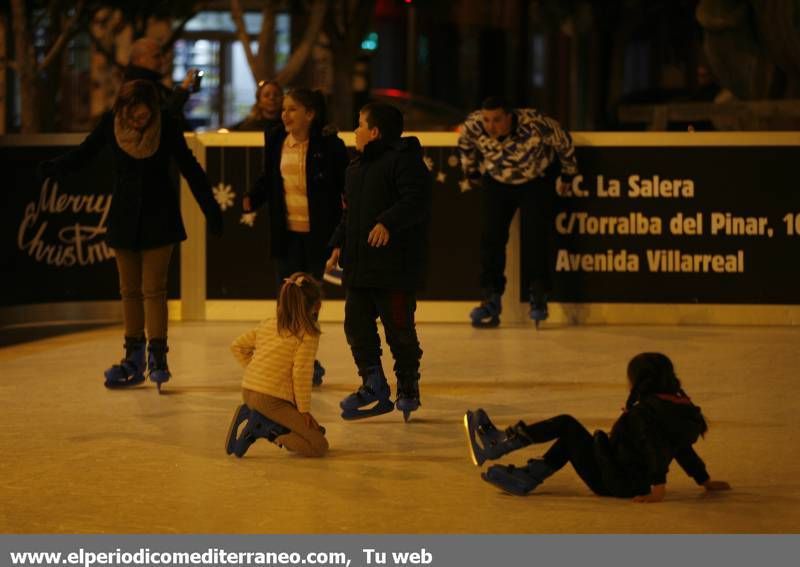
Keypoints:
pixel 278 357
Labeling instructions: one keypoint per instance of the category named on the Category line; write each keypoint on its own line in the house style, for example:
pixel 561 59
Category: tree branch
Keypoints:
pixel 266 40
pixel 100 48
pixel 244 39
pixel 299 56
pixel 66 33
pixel 176 33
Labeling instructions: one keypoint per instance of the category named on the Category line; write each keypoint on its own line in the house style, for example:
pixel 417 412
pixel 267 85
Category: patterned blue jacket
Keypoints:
pixel 535 141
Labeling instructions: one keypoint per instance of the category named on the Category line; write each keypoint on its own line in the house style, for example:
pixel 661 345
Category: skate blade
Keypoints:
pixel 116 385
pixel 491 324
pixel 470 446
pixel 239 417
pixel 379 408
pixel 503 488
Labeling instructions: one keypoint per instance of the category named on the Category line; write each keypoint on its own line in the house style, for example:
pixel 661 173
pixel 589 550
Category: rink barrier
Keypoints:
pixel 239 282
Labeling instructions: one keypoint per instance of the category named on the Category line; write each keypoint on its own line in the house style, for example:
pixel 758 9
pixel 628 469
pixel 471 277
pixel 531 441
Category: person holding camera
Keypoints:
pixel 147 63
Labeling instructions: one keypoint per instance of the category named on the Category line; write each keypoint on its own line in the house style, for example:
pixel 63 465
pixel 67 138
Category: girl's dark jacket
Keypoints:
pixel 645 440
pixel 326 161
pixel 145 209
pixel 387 184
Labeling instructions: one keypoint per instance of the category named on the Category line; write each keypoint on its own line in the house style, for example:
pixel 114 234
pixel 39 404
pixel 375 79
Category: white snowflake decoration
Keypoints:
pixel 428 163
pixel 224 195
pixel 441 177
pixel 248 219
pixel 452 161
pixel 464 185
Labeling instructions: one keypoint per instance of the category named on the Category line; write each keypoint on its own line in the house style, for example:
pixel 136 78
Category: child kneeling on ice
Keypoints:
pixel 659 423
pixel 278 357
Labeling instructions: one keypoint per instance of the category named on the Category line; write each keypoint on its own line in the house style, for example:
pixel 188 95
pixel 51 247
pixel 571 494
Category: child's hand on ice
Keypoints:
pixel 716 485
pixel 657 492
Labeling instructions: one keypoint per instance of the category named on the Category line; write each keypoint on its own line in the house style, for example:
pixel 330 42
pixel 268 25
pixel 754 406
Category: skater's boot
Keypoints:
pixel 518 480
pixel 130 370
pixel 256 426
pixel 538 299
pixel 487 314
pixel 371 399
pixel 486 442
pixel 319 372
pixel 407 393
pixel 157 368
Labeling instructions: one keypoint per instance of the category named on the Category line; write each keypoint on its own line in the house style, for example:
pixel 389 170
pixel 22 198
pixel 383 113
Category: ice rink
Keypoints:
pixel 78 458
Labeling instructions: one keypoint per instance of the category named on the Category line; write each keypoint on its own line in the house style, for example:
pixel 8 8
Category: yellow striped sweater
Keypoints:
pixel 280 365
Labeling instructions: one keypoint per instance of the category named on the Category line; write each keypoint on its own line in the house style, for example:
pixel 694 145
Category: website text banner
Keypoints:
pixel 698 224
pixel 399 551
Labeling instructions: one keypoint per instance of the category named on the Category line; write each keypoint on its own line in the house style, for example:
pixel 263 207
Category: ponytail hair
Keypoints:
pixel 298 302
pixel 311 100
pixel 651 373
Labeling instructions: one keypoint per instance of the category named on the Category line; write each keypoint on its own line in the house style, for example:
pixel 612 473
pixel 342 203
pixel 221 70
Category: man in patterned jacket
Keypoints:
pixel 510 151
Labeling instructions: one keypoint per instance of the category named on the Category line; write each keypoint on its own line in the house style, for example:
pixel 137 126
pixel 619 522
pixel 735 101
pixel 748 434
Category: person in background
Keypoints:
pixel 147 64
pixel 266 111
pixel 509 152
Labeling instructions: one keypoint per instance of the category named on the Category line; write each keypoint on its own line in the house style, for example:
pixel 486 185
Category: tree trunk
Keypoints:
pixel 343 114
pixel 3 68
pixel 105 76
pixel 26 68
pixel 347 24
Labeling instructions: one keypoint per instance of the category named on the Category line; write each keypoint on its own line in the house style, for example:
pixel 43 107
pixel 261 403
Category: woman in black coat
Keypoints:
pixel 144 223
pixel 660 423
pixel 302 186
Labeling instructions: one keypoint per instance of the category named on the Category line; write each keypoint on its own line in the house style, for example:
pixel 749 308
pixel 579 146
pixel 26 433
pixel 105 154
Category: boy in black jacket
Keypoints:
pixel 660 423
pixel 381 244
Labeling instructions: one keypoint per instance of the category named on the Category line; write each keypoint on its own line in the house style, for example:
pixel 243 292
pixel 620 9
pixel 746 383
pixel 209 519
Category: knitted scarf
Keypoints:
pixel 138 144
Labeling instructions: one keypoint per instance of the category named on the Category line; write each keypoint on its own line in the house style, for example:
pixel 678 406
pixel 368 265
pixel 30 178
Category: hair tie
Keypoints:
pixel 298 282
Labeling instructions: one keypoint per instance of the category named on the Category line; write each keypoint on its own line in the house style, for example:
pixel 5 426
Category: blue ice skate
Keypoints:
pixel 256 427
pixel 538 312
pixel 371 399
pixel 487 314
pixel 518 480
pixel 486 442
pixel 239 416
pixel 407 394
pixel 130 370
pixel 319 372
pixel 157 368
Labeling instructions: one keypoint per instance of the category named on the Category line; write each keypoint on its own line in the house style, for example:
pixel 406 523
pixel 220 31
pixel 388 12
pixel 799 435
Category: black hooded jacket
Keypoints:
pixel 388 184
pixel 644 441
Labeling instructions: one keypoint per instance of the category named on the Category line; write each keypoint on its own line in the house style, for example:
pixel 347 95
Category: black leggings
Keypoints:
pixel 574 444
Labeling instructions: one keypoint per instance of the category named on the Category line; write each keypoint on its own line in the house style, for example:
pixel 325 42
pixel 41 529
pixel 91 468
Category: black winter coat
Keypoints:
pixel 326 161
pixel 387 184
pixel 145 208
pixel 645 440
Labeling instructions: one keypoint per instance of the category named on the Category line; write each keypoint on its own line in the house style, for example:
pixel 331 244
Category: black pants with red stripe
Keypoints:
pixel 363 306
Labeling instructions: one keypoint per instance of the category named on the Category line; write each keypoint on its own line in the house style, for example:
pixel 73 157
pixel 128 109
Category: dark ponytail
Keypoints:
pixel 651 373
